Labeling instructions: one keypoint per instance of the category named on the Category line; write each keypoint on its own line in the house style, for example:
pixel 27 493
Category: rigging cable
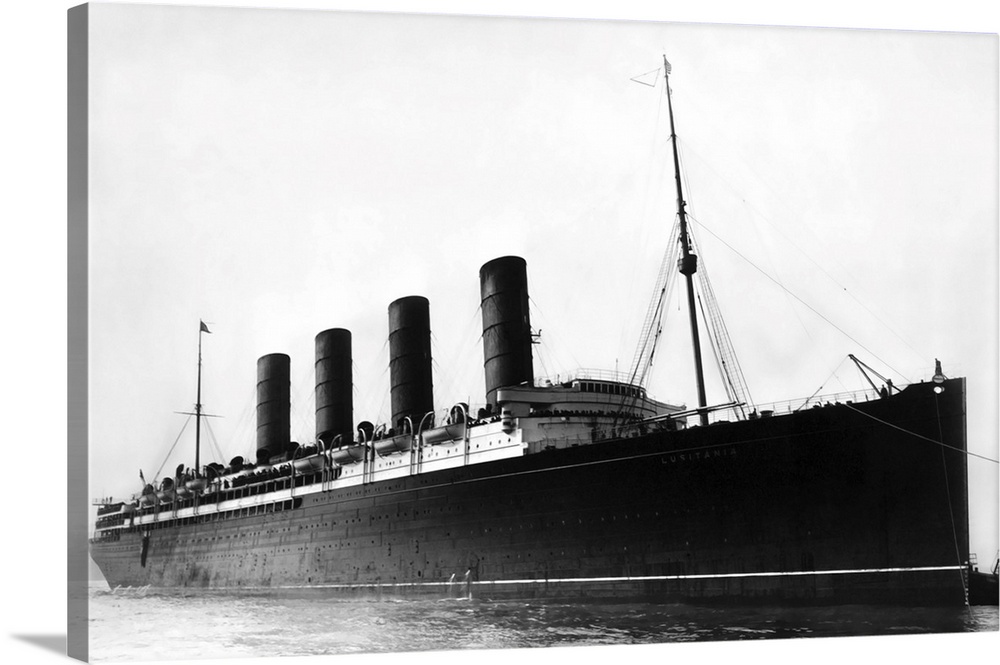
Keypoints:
pixel 807 305
pixel 651 85
pixel 921 436
pixel 183 427
pixel 803 253
pixel 302 421
pixel 718 358
pixel 732 391
pixel 652 175
pixel 683 146
pixel 825 381
pixel 213 441
pixel 381 384
pixel 951 512
pixel 653 324
pixel 546 372
pixel 732 371
pixel 241 430
pixel 453 383
pixel 541 318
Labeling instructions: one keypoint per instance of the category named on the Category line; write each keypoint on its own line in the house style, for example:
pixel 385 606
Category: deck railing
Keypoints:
pixel 793 405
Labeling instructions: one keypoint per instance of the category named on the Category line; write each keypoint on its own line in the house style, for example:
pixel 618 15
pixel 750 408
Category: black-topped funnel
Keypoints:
pixel 411 383
pixel 273 404
pixel 334 387
pixel 506 326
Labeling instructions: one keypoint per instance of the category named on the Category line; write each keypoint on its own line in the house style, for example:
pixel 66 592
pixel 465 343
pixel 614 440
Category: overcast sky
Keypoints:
pixel 34 271
pixel 276 173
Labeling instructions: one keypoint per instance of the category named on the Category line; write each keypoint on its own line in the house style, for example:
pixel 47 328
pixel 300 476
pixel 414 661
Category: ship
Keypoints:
pixel 586 487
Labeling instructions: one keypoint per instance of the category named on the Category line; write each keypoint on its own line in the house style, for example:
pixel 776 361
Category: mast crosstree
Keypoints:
pixel 202 328
pixel 198 415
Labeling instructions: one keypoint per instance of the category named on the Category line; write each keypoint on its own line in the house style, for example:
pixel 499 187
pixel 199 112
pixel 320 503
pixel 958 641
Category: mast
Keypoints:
pixel 688 263
pixel 202 328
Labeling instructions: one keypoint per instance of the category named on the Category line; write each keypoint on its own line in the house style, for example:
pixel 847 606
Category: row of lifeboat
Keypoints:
pixel 307 460
pixel 384 442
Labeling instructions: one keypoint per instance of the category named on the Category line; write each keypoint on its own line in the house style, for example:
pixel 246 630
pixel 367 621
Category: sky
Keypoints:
pixel 277 173
pixel 745 107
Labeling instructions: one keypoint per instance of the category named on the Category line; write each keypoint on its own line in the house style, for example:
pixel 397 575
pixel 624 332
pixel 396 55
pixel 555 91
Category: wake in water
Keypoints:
pixel 144 624
pixel 129 590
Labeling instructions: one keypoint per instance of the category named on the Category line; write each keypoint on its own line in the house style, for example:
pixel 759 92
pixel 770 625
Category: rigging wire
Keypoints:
pixel 541 318
pixel 653 167
pixel 722 346
pixel 731 370
pixel 654 171
pixel 380 383
pixel 244 430
pixel 951 510
pixel 921 436
pixel 683 147
pixel 301 406
pixel 652 325
pixel 174 445
pixel 803 302
pixel 651 85
pixel 823 384
pixel 801 251
pixel 454 382
pixel 727 384
pixel 213 441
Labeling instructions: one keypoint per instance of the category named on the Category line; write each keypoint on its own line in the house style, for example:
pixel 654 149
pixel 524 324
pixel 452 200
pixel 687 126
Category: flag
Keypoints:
pixel 667 65
pixel 204 328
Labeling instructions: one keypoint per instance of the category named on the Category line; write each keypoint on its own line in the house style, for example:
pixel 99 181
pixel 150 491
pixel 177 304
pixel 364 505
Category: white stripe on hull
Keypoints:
pixel 638 578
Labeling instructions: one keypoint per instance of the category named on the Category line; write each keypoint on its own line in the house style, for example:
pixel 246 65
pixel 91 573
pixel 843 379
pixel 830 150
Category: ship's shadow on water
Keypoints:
pixel 221 625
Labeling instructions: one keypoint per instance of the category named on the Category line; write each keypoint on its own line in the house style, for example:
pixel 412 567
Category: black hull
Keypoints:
pixel 840 504
pixel 984 588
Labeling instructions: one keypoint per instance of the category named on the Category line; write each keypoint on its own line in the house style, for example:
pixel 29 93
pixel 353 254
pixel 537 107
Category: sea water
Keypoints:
pixel 139 624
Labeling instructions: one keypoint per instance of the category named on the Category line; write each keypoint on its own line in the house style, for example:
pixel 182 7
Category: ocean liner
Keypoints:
pixel 584 487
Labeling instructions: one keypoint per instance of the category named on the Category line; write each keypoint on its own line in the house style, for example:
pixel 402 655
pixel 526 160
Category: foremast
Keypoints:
pixel 688 262
pixel 202 328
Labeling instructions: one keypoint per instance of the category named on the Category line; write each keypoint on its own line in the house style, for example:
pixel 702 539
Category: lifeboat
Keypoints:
pixel 148 497
pixel 196 484
pixel 310 464
pixel 348 454
pixel 166 492
pixel 442 434
pixel 394 444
